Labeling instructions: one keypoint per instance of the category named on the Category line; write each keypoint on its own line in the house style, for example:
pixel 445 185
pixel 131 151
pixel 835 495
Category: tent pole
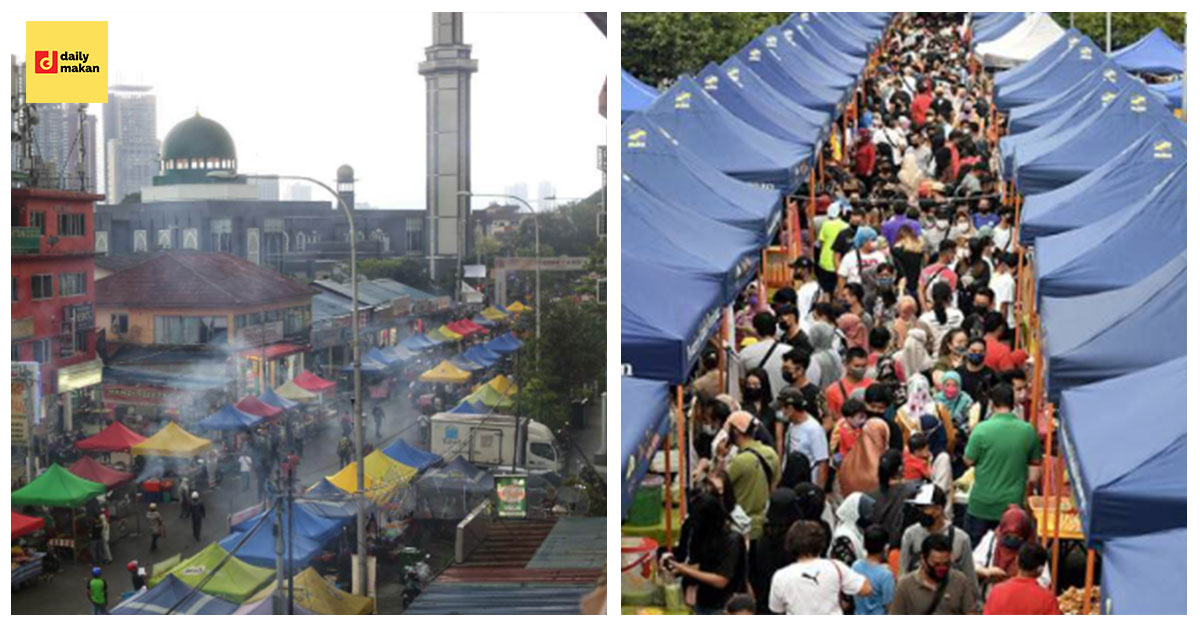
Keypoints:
pixel 683 467
pixel 1088 581
pixel 667 488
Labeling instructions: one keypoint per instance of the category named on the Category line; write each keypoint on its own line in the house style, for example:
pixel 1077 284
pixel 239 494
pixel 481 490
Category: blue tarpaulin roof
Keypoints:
pixel 785 76
pixel 270 398
pixel 312 521
pixel 810 66
pixel 1145 575
pixel 756 87
pixel 230 418
pixel 1172 91
pixel 1125 441
pixel 809 40
pixel 995 26
pixel 470 407
pixel 1018 148
pixel 645 414
pixel 670 170
pixel 1108 334
pixel 1107 76
pixel 418 342
pixel 259 549
pixel 374 353
pixel 504 344
pixel 1147 234
pixel 480 354
pixel 665 317
pixel 661 231
pixel 838 34
pixel 635 95
pixel 1046 57
pixel 465 363
pixel 1156 53
pixel 451 491
pixel 368 366
pixel 763 115
pixel 1071 66
pixel 168 593
pixel 1126 119
pixel 1116 184
pixel 406 454
pixel 699 122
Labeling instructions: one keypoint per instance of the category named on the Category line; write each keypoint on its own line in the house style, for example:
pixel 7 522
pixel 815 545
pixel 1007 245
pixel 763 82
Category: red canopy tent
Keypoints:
pixel 22 525
pixel 115 437
pixel 257 407
pixel 88 469
pixel 465 327
pixel 313 383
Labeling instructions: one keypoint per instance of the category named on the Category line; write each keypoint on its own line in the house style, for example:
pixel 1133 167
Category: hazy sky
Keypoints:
pixel 305 90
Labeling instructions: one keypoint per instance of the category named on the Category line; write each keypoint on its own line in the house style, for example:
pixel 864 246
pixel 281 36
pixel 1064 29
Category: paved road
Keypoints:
pixel 64 595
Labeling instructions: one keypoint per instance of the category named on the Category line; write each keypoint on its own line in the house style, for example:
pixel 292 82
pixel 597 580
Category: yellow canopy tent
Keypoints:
pixel 503 385
pixel 492 314
pixel 235 581
pixel 172 441
pixel 291 390
pixel 449 333
pixel 317 595
pixel 517 307
pixel 382 476
pixel 446 373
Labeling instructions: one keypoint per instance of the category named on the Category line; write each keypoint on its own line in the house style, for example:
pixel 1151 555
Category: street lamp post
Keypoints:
pixel 537 256
pixel 356 398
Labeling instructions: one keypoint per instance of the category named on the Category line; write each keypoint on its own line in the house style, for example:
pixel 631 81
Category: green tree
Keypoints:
pixel 407 270
pixel 1127 28
pixel 567 364
pixel 658 47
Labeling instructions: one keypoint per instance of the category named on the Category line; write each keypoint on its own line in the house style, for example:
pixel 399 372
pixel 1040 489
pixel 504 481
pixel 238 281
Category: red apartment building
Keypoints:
pixel 54 296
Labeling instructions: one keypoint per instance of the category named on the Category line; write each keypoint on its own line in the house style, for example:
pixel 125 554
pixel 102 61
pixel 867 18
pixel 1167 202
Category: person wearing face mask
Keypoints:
pixel 950 354
pixel 790 333
pixel 807 288
pixel 976 377
pixel 882 305
pixel 856 377
pixel 932 520
pixel 996 555
pixel 935 588
pixel 858 440
pixel 953 398
pixel 756 398
pixel 804 433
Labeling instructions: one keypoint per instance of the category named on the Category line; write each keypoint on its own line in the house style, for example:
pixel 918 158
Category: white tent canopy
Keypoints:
pixel 1022 43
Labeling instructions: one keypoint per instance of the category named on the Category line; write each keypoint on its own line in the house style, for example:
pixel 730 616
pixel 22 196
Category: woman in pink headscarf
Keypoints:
pixel 853 329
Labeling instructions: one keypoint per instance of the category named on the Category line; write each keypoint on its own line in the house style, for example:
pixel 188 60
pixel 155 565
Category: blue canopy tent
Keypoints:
pixel 326 500
pixel 663 232
pixel 1122 123
pixel 850 41
pixel 786 74
pixel 1147 235
pixel 645 418
pixel 230 418
pixel 504 344
pixel 814 69
pixel 669 170
pixel 480 354
pixel 995 27
pixel 810 41
pixel 270 398
pixel 1016 148
pixel 665 317
pixel 470 407
pixel 1038 63
pixel 759 89
pixel 378 355
pixel 1071 66
pixel 868 35
pixel 1118 183
pixel 418 342
pixel 1145 575
pixel 763 115
pixel 450 492
pixel 1109 334
pixel 406 454
pixel 368 366
pixel 700 123
pixel 482 321
pixel 259 548
pixel 465 363
pixel 635 95
pixel 1107 76
pixel 312 521
pixel 1125 441
pixel 1156 53
pixel 1172 92
pixel 168 593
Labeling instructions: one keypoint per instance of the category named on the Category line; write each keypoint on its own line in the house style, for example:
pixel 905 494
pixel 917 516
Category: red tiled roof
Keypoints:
pixel 184 279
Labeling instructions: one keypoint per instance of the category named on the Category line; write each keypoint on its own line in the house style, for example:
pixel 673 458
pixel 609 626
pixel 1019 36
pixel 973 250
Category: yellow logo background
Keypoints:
pixel 90 38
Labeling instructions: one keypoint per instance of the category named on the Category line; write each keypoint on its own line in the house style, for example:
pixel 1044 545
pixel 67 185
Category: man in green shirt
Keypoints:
pixel 97 591
pixel 753 471
pixel 1004 451
pixel 827 263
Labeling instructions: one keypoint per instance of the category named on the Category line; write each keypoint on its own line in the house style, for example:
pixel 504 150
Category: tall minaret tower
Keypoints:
pixel 447 70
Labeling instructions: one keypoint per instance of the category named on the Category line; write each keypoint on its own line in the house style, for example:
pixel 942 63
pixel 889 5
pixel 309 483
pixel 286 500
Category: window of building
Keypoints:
pixel 42 287
pixel 221 230
pixel 38 219
pixel 256 318
pixel 189 330
pixel 297 318
pixel 81 340
pixel 120 323
pixel 15 282
pixel 70 225
pixel 72 284
pixel 41 351
pixel 16 352
pixel 413 236
pixel 239 321
pixel 272 315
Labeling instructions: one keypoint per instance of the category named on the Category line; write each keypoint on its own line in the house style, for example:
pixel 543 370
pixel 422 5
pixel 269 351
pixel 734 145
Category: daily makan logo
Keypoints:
pixel 712 82
pixel 46 62
pixel 66 62
pixel 1162 149
pixel 636 139
pixel 683 100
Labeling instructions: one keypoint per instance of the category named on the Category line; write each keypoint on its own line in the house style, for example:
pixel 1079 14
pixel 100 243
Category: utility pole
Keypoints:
pixel 291 500
pixel 1108 32
pixel 277 601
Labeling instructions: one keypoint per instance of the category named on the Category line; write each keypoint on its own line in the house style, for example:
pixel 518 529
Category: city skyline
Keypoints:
pixel 279 134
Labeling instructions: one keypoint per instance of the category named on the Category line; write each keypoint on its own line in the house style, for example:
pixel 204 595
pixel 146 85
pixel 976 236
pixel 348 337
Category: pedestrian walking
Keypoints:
pixel 96 538
pixel 158 527
pixel 246 467
pixel 377 413
pixel 137 575
pixel 185 502
pixel 105 535
pixel 97 592
pixel 197 513
pixel 344 449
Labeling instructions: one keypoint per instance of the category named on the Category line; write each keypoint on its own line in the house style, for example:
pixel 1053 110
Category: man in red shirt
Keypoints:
pixel 999 355
pixel 1021 594
pixel 920 106
pixel 855 378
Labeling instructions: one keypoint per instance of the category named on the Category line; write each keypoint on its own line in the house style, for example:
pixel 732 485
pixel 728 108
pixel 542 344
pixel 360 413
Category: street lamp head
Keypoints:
pixel 222 174
pixel 464 193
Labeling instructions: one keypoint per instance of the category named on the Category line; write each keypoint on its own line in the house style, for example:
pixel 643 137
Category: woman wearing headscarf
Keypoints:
pixel 853 331
pixel 957 401
pixel 821 335
pixel 913 359
pixel 854 516
pixel 996 554
pixel 861 440
pixel 910 172
pixel 922 403
pixel 770 552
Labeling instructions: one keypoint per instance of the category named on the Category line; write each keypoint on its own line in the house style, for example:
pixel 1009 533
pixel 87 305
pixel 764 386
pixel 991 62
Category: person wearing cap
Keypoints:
pixel 157 527
pixel 197 514
pixel 858 266
pixel 754 469
pixel 97 592
pixel 932 519
pixel 827 262
pixel 804 433
pixel 137 575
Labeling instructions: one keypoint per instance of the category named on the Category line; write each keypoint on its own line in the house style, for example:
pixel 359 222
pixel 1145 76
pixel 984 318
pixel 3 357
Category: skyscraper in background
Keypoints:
pixel 545 191
pixel 518 189
pixel 130 140
pixel 299 192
